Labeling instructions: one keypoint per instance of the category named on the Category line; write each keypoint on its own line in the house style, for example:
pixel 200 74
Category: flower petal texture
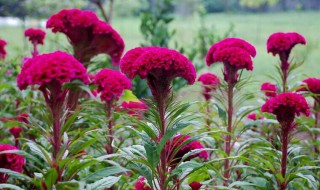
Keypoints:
pixel 57 67
pixel 210 82
pixel 284 42
pixel 269 89
pixel 35 36
pixel 111 84
pixel 141 184
pixel 312 85
pixel 3 51
pixel 195 185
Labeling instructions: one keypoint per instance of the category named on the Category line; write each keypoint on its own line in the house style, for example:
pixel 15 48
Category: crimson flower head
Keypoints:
pixel 49 70
pixel 36 36
pixel 135 108
pixel 111 84
pixel 254 116
pixel 10 161
pixel 234 53
pixel 195 185
pixel 286 106
pixel 3 52
pixel 15 131
pixel 141 184
pixel 179 142
pixel 23 118
pixel 312 85
pixel 159 65
pixel 280 42
pixel 269 89
pixel 210 82
pixel 88 35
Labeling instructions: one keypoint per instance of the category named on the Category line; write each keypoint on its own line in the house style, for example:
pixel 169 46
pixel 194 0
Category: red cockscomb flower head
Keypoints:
pixel 269 89
pixel 312 85
pixel 51 69
pixel 36 36
pixel 210 82
pixel 283 42
pixel 3 51
pixel 159 65
pixel 195 185
pixel 179 142
pixel 10 161
pixel 135 108
pixel 235 54
pixel 141 184
pixel 15 131
pixel 286 106
pixel 254 116
pixel 111 84
pixel 23 118
pixel 88 35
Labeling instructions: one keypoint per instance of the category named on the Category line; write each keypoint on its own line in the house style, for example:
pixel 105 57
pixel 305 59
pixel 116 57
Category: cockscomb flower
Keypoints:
pixel 235 54
pixel 15 131
pixel 141 184
pixel 35 36
pixel 10 161
pixel 178 142
pixel 269 89
pixel 23 118
pixel 195 185
pixel 286 106
pixel 280 42
pixel 312 85
pixel 88 35
pixel 254 116
pixel 51 69
pixel 3 51
pixel 111 84
pixel 135 108
pixel 159 65
pixel 210 82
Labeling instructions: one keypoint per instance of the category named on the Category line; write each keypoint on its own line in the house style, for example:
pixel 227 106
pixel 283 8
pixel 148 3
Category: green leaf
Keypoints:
pixel 246 184
pixel 9 186
pixel 15 174
pixel 104 183
pixel 128 96
pixel 151 152
pixel 105 172
pixel 77 166
pixel 69 185
pixel 50 178
pixel 186 165
pixel 222 114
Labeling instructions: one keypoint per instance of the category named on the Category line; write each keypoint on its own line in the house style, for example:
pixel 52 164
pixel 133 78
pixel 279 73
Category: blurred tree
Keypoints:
pixel 262 5
pixel 107 16
pixel 219 5
pixel 14 8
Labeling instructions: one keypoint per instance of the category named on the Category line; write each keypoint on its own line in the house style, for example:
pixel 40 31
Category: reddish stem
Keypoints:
pixel 316 125
pixel 284 56
pixel 35 51
pixel 285 134
pixel 161 100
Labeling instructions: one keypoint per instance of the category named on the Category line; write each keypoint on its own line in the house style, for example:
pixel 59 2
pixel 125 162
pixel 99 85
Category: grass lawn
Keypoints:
pixel 254 28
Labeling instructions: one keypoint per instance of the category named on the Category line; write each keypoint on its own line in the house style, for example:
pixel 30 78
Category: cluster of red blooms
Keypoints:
pixel 3 52
pixel 269 89
pixel 141 184
pixel 210 82
pixel 135 108
pixel 312 85
pixel 36 36
pixel 254 116
pixel 235 54
pixel 88 35
pixel 10 161
pixel 285 106
pixel 281 42
pixel 57 68
pixel 111 84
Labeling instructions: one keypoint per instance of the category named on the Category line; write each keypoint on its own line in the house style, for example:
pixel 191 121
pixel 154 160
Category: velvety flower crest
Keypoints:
pixel 159 62
pixel 10 161
pixel 286 106
pixel 3 51
pixel 195 185
pixel 284 42
pixel 58 67
pixel 312 85
pixel 111 84
pixel 23 118
pixel 15 131
pixel 269 89
pixel 210 82
pixel 88 35
pixel 35 36
pixel 135 108
pixel 141 184
pixel 254 116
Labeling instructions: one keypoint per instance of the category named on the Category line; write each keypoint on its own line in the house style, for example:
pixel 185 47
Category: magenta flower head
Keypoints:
pixel 254 117
pixel 195 185
pixel 50 71
pixel 10 161
pixel 135 109
pixel 111 84
pixel 312 85
pixel 286 106
pixel 159 65
pixel 35 36
pixel 88 35
pixel 178 143
pixel 269 89
pixel 3 52
pixel 23 118
pixel 210 82
pixel 141 184
pixel 235 54
pixel 15 131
